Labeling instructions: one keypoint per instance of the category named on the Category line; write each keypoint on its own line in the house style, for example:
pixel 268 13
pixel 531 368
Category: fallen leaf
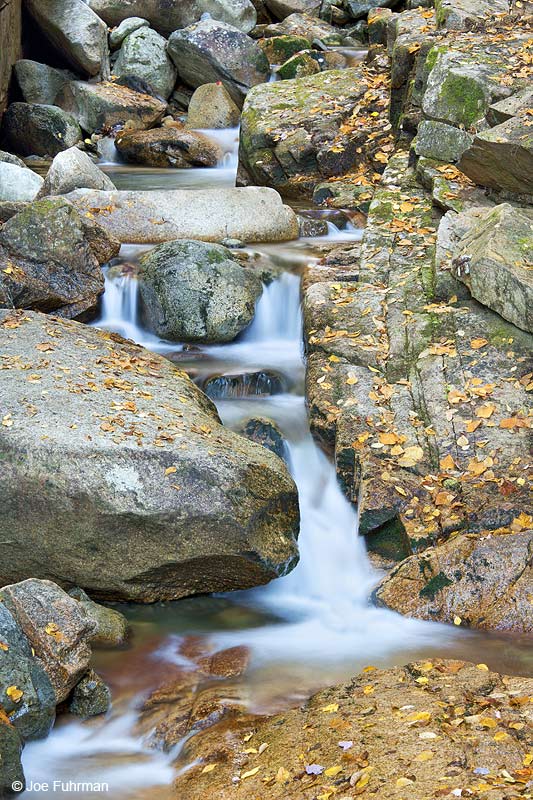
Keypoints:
pixel 250 773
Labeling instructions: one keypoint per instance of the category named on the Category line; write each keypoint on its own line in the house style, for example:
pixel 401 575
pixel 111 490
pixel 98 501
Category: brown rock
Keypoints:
pixel 168 147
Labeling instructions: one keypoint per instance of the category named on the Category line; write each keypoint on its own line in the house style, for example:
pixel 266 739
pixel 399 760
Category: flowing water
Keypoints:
pixel 313 627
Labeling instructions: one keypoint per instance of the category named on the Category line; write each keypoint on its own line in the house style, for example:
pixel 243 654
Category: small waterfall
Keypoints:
pixel 228 141
pixel 278 314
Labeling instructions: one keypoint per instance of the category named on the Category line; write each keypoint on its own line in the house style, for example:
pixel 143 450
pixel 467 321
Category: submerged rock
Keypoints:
pixel 168 147
pixel 99 106
pixel 41 130
pixel 57 628
pixel 212 51
pixel 75 30
pixel 144 54
pixel 18 183
pixel 253 214
pixel 148 497
pixel 246 384
pixel 50 258
pixel 486 581
pixel 197 292
pixel 211 106
pixel 166 18
pixel 74 169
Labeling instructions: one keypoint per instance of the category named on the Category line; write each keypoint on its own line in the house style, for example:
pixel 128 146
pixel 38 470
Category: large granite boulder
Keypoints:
pixel 252 214
pixel 462 14
pixel 282 8
pixel 11 772
pixel 197 292
pixel 110 626
pixel 57 628
pixel 486 581
pixel 288 129
pixel 51 257
pixel 144 54
pixel 168 147
pixel 502 157
pixel 41 130
pixel 388 733
pixel 213 51
pixel 18 183
pixel 40 83
pixel 74 169
pixel 76 32
pixel 167 17
pixel 494 260
pixel 211 106
pixel 100 106
pixel 28 697
pixel 147 496
pixel 127 26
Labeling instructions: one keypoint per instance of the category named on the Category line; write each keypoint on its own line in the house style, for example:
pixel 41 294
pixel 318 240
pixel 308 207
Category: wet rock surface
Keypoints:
pixel 432 712
pixel 42 130
pixel 168 147
pixel 197 292
pixel 219 512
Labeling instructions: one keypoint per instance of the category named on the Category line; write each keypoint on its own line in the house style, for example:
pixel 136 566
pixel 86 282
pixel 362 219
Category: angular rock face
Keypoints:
pixel 502 157
pixel 143 54
pixel 288 129
pixel 41 130
pixel 460 14
pixel 211 106
pixel 282 8
pixel 168 147
pixel 74 30
pixel 485 581
pixel 197 292
pixel 98 106
pixel 212 51
pixel 90 697
pixel 11 772
pixel 18 183
pixel 127 26
pixel 385 733
pixel 40 83
pixel 147 496
pixel 494 260
pixel 57 628
pixel 441 141
pixel 32 712
pixel 253 214
pixel 110 626
pixel 74 169
pixel 167 18
pixel 51 258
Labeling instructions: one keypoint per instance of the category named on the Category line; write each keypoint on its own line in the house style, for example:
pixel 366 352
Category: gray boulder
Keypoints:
pixel 11 772
pixel 40 83
pixel 50 259
pixel 197 292
pixel 493 259
pixel 75 31
pixel 461 14
pixel 98 106
pixel 359 9
pixel 41 130
pixel 9 158
pixel 167 17
pixel 144 54
pixel 148 497
pixel 213 51
pixel 168 147
pixel 441 141
pixel 56 627
pixel 502 157
pixel 18 183
pixel 74 169
pixel 211 106
pixel 282 8
pixel 28 698
pixel 127 26
pixel 90 697
pixel 252 214
pixel 266 433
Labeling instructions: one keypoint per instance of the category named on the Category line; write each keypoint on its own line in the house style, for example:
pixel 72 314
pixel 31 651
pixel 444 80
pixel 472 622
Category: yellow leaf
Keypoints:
pixel 389 438
pixel 425 755
pixel 447 463
pixel 528 759
pixel 170 470
pixel 368 689
pixel 486 410
pixel 457 620
pixel 330 709
pixel 208 768
pixel 500 736
pixel 422 681
pixel 332 771
pixel 402 782
pixel 487 722
pixel 250 773
pixel 401 491
pixel 14 693
pixel 418 716
pixel 482 667
pixel 476 344
pixel 282 775
pixel 4 646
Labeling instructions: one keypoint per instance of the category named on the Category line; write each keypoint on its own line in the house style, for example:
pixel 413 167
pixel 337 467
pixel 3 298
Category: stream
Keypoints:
pixel 309 629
